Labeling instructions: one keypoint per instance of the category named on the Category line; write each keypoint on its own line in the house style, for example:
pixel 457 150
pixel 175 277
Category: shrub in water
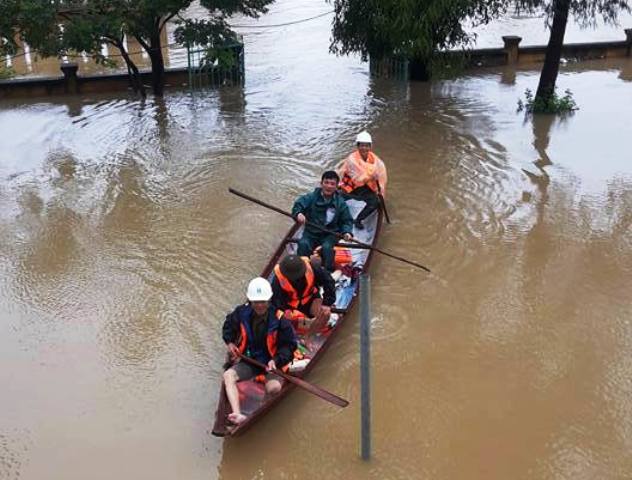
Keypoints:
pixel 6 72
pixel 554 104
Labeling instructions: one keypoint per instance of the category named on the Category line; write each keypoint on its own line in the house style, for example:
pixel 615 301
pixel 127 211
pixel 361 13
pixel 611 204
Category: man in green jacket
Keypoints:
pixel 325 207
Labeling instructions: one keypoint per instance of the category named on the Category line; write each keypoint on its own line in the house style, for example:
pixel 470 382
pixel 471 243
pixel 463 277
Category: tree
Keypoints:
pixel 586 12
pixel 412 29
pixel 58 27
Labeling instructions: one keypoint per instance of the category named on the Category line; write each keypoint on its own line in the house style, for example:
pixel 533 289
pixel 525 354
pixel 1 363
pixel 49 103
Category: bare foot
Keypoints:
pixel 237 418
pixel 317 325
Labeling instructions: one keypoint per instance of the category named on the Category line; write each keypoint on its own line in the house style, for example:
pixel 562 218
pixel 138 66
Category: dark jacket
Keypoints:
pixel 314 206
pixel 285 340
pixel 322 278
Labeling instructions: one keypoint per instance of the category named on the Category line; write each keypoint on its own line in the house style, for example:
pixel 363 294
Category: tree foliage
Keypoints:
pixel 6 72
pixel 412 29
pixel 418 29
pixel 585 12
pixel 59 27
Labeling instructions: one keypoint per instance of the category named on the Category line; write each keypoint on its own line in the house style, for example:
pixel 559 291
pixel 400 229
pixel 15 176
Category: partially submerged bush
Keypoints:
pixel 553 104
pixel 6 72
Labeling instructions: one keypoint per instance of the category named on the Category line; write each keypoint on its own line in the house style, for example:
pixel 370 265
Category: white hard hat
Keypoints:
pixel 259 290
pixel 363 137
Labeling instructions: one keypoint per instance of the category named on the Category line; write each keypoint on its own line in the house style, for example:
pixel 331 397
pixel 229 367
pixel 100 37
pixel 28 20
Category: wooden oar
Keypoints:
pixel 323 229
pixel 380 197
pixel 299 382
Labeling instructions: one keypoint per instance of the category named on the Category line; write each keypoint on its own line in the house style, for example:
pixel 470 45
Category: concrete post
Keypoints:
pixel 365 366
pixel 628 38
pixel 511 48
pixel 71 81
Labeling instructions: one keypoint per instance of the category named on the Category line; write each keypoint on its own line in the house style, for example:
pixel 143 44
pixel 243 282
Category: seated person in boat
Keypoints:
pixel 324 207
pixel 255 330
pixel 296 292
pixel 363 177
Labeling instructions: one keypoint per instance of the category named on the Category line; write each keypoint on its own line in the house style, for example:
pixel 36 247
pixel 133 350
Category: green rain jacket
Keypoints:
pixel 314 206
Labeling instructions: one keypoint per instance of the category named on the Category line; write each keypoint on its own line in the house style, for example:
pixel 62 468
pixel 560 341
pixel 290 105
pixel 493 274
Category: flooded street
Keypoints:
pixel 121 251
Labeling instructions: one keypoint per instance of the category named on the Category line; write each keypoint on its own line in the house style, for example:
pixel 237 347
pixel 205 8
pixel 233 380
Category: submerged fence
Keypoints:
pixel 390 67
pixel 215 67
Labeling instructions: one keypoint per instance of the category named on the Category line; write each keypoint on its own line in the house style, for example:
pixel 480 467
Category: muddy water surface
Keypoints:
pixel 121 250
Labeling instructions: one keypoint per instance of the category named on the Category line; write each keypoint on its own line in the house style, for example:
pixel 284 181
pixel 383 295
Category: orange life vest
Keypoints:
pixel 298 319
pixel 342 256
pixel 355 169
pixel 306 296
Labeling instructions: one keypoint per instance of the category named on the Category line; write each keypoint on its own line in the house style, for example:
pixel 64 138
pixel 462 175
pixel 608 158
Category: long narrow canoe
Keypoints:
pixel 253 402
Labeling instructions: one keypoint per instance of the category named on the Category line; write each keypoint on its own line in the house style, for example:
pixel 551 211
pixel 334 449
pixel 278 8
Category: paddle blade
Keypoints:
pixel 316 390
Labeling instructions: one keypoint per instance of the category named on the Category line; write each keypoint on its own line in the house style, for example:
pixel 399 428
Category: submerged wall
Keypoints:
pixel 199 73
pixel 510 54
pixel 513 54
pixel 72 83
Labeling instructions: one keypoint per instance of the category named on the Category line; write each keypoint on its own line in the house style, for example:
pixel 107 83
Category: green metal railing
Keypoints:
pixel 215 67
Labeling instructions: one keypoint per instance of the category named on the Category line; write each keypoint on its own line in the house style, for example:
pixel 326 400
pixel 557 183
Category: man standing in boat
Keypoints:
pixel 326 207
pixel 296 292
pixel 363 177
pixel 255 330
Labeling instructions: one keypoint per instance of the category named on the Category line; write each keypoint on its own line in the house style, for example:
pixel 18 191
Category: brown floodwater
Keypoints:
pixel 121 251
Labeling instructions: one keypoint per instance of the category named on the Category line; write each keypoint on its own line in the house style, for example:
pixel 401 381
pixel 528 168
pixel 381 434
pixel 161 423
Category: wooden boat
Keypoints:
pixel 253 402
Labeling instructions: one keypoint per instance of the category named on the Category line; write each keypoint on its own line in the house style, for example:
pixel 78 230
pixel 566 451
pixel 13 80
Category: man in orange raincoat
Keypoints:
pixel 363 177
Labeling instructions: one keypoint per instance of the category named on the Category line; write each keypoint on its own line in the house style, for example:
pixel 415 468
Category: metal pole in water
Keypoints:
pixel 365 365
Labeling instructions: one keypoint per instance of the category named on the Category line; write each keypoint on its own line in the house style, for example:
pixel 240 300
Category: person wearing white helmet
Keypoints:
pixel 363 176
pixel 254 329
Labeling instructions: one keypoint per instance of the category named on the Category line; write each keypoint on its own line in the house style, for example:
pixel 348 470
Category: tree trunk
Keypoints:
pixel 419 70
pixel 157 64
pixel 551 67
pixel 134 73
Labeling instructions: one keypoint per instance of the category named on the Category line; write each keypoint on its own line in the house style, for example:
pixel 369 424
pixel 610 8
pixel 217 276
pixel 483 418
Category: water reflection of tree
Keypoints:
pixel 575 267
pixel 542 125
pixel 53 245
pixel 619 211
pixel 127 204
pixel 54 241
pixel 161 116
pixel 232 102
pixel 146 257
pixel 50 246
pixel 134 332
pixel 538 248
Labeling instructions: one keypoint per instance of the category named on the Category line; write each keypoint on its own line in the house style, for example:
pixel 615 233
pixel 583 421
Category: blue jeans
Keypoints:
pixel 369 197
pixel 309 241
